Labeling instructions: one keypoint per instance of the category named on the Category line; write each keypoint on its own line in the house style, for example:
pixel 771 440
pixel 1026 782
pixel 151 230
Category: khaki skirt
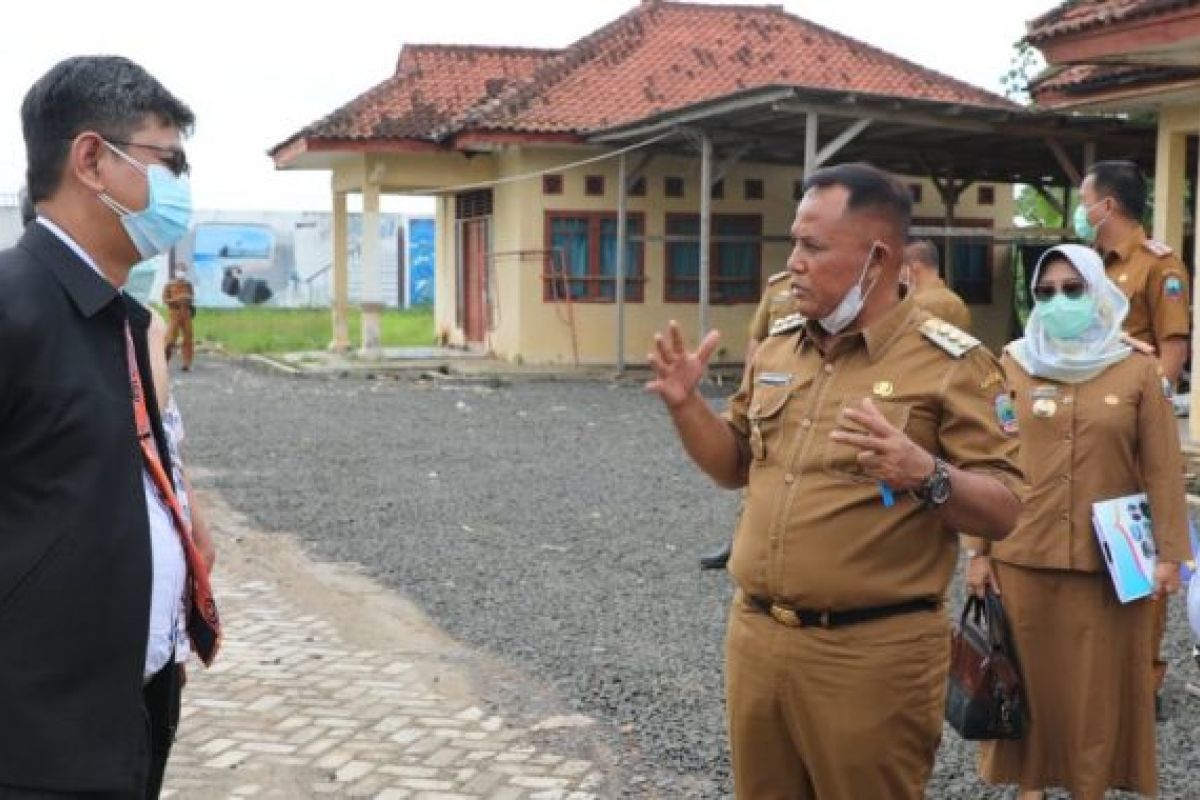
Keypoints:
pixel 1087 663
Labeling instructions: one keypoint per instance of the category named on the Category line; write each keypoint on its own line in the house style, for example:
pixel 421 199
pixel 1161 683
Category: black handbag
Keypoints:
pixel 984 696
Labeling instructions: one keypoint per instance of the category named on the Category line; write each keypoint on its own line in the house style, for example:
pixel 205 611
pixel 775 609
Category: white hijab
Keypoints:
pixel 1097 348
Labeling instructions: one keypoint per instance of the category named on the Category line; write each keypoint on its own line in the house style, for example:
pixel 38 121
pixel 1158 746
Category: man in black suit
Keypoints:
pixel 91 588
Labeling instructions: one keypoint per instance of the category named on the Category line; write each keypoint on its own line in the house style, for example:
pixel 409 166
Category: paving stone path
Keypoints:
pixel 296 707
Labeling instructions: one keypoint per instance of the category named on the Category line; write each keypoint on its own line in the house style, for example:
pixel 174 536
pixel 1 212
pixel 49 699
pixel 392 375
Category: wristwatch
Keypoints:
pixel 934 491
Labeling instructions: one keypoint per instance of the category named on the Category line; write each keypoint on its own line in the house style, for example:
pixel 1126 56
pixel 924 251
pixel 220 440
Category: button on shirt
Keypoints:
pixel 169 567
pixel 814 531
pixel 1111 436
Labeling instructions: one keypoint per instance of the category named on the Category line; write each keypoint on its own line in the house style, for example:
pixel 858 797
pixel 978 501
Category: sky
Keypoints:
pixel 257 71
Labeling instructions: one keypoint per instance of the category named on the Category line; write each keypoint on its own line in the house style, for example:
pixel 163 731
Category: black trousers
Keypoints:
pixel 160 698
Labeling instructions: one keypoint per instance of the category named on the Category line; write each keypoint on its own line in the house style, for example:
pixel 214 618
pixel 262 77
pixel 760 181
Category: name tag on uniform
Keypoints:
pixel 773 379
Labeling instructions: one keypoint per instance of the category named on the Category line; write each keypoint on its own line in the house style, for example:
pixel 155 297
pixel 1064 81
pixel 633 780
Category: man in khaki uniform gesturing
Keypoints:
pixel 1112 202
pixel 866 434
pixel 928 288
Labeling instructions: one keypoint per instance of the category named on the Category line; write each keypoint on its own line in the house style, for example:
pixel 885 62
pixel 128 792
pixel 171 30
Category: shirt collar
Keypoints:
pixel 877 338
pixel 71 243
pixel 1124 248
pixel 88 289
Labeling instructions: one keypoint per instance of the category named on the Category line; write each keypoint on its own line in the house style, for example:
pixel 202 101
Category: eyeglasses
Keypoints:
pixel 173 158
pixel 1072 291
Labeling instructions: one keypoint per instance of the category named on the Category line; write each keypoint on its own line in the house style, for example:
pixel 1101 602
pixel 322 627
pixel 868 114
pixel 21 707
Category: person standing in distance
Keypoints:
pixel 927 287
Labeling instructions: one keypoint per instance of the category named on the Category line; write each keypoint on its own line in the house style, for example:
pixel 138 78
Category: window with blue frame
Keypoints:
pixel 735 258
pixel 581 257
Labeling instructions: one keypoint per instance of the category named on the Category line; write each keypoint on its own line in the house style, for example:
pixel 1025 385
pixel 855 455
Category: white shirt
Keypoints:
pixel 167 622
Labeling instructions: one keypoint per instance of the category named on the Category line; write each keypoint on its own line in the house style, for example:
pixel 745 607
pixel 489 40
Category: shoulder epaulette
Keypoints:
pixel 777 277
pixel 954 341
pixel 786 324
pixel 1157 248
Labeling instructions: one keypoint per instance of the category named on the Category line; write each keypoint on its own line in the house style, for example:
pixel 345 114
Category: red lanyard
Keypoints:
pixel 203 624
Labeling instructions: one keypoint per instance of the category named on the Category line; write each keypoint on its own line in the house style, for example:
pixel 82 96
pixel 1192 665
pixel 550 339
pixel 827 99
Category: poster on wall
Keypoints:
pixel 420 262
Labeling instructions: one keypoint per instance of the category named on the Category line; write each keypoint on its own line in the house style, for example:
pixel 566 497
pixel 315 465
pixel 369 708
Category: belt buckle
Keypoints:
pixel 786 616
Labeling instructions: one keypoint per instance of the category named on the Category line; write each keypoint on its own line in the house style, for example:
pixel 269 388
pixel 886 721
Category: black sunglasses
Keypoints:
pixel 1072 291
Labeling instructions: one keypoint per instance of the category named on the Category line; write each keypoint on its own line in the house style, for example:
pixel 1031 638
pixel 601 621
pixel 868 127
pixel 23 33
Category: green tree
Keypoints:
pixel 1025 64
pixel 1034 209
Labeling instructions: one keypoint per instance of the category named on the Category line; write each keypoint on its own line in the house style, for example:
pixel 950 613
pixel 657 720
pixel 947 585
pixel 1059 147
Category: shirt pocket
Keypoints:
pixel 840 459
pixel 766 418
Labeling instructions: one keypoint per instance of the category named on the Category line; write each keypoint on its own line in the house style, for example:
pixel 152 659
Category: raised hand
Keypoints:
pixel 886 452
pixel 677 372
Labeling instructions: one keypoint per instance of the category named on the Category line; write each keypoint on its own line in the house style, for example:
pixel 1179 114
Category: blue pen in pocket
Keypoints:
pixel 885 492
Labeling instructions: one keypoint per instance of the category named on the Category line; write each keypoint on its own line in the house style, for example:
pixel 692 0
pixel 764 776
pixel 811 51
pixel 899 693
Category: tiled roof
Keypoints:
pixel 432 85
pixel 657 57
pixel 1077 16
pixel 1074 83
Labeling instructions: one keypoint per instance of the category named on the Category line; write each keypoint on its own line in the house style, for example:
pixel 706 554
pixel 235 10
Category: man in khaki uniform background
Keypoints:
pixel 865 434
pixel 929 290
pixel 776 303
pixel 179 298
pixel 1112 203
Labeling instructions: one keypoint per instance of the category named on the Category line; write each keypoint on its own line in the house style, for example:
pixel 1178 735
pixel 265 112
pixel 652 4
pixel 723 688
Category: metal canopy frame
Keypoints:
pixel 952 144
pixel 791 125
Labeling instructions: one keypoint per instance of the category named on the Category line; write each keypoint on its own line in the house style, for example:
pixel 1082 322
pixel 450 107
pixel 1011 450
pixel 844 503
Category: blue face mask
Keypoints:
pixel 1064 318
pixel 167 214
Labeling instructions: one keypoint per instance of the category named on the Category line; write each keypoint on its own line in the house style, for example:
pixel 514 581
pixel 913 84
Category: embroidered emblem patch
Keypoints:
pixel 1006 414
pixel 1173 287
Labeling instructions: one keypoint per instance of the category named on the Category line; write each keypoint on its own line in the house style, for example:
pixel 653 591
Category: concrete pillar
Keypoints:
pixel 371 299
pixel 341 282
pixel 1169 186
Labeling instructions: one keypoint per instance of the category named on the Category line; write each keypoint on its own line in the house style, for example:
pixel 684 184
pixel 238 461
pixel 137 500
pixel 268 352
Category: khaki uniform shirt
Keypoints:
pixel 1156 283
pixel 1108 437
pixel 814 531
pixel 943 303
pixel 178 290
pixel 777 302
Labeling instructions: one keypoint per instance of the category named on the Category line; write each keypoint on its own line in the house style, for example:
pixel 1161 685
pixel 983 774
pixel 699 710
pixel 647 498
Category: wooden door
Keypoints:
pixel 475 256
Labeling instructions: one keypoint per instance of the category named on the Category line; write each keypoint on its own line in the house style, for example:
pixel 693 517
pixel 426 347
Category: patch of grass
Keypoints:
pixel 286 330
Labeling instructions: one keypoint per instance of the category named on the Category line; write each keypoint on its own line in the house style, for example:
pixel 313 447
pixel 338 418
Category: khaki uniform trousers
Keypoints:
pixel 849 713
pixel 179 322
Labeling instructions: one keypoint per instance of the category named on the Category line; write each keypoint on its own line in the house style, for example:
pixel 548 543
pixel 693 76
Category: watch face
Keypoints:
pixel 939 492
pixel 939 484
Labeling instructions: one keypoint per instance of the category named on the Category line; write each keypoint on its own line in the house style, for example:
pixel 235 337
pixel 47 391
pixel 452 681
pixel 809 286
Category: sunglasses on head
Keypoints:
pixel 1072 291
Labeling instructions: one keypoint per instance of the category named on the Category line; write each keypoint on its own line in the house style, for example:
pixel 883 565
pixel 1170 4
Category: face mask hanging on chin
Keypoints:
pixel 167 214
pixel 851 305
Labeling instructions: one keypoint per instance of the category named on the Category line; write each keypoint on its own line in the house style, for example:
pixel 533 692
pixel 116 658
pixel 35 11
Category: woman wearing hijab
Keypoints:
pixel 1096 424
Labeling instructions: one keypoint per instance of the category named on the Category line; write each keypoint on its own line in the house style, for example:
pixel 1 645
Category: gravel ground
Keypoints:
pixel 554 526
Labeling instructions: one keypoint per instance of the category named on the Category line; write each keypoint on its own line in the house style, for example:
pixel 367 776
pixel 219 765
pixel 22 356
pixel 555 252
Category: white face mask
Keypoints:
pixel 852 304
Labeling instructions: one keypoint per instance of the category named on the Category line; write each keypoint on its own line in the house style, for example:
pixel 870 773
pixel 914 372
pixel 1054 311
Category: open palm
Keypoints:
pixel 677 372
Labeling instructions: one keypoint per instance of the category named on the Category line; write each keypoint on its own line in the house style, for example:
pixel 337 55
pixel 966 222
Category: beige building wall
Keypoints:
pixel 527 328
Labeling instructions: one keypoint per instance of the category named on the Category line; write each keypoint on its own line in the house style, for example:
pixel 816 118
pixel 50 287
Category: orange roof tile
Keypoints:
pixel 657 57
pixel 1076 16
pixel 432 85
pixel 1075 84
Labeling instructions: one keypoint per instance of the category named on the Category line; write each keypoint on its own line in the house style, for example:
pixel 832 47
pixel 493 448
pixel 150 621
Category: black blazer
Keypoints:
pixel 75 563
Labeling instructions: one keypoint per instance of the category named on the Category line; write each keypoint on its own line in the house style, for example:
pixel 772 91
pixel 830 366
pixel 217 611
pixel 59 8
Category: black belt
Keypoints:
pixel 811 618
